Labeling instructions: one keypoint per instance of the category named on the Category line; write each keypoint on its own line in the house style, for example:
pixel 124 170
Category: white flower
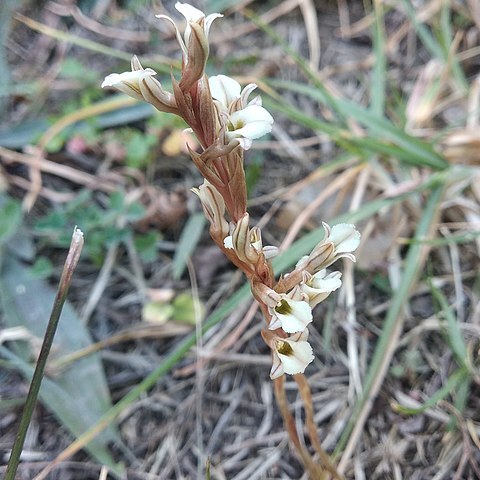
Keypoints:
pixel 345 237
pixel 128 82
pixel 228 92
pixel 193 16
pixel 290 315
pixel 338 242
pixel 320 285
pixel 244 120
pixel 140 84
pixel 250 123
pixel 214 207
pixel 291 355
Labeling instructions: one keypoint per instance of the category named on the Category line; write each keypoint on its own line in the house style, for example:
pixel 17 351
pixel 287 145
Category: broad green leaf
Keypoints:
pixel 10 218
pixel 78 395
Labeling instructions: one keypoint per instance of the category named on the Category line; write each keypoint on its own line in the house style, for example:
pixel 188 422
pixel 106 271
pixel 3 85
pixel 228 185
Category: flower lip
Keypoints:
pixel 319 286
pixel 297 356
pixel 290 355
pixel 345 237
pixel 293 315
pixel 129 78
pixel 252 122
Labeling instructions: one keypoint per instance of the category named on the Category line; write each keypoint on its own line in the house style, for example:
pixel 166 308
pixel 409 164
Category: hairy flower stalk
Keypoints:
pixel 226 122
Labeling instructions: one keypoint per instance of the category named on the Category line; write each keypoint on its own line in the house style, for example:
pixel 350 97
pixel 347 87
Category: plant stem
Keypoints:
pixel 68 269
pixel 306 394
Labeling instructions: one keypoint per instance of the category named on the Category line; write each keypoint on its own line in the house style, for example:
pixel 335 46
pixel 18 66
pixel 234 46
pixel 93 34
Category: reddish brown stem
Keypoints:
pixel 306 395
pixel 315 471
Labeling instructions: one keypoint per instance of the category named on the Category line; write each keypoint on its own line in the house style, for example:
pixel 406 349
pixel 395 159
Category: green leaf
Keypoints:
pixel 42 268
pixel 185 309
pixel 188 241
pixel 79 395
pixel 146 245
pixel 379 73
pixel 10 219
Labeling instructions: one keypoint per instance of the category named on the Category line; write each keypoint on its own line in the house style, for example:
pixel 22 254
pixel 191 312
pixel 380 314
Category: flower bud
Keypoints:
pixel 214 208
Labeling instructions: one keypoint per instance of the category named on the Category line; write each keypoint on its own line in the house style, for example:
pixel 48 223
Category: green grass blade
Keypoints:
pixel 422 31
pixel 446 36
pixel 453 382
pixel 191 233
pixel 454 334
pixel 421 154
pixel 379 73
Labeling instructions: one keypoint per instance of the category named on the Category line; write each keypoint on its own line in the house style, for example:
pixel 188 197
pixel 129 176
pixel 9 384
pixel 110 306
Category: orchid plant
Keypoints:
pixel 226 122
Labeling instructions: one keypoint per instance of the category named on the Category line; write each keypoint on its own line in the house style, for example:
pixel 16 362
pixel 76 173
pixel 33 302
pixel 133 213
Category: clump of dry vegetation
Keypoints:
pixel 376 113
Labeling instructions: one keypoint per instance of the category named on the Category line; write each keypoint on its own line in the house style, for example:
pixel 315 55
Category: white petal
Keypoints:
pixel 128 82
pixel 252 122
pixel 177 33
pixel 326 283
pixel 252 130
pixel 224 89
pixel 245 143
pixel 208 21
pixel 251 113
pixel 246 93
pixel 114 79
pixel 345 237
pixel 228 242
pixel 299 317
pixel 190 13
pixel 270 251
pixel 274 323
pixel 298 361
